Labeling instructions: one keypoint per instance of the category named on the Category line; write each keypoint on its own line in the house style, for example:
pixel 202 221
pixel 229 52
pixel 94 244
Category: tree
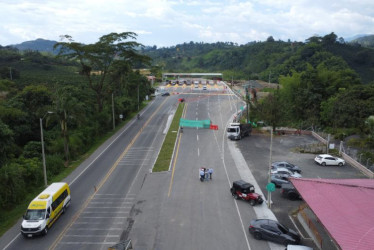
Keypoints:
pixel 271 109
pixel 329 39
pixel 6 141
pixel 349 108
pixel 270 39
pixel 97 59
pixel 370 125
pixel 67 106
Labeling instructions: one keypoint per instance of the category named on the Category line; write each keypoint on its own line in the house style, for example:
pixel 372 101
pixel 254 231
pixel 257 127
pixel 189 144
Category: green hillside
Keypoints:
pixel 261 60
pixel 366 41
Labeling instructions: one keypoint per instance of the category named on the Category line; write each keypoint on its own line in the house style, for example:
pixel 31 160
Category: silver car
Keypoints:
pixel 285 172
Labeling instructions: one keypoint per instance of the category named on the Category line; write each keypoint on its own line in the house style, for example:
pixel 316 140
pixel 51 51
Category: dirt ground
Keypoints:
pixel 256 84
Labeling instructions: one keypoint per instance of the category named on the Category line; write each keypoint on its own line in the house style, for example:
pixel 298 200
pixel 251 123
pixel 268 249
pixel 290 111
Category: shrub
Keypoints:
pixel 33 167
pixel 32 149
pixel 12 185
pixel 55 164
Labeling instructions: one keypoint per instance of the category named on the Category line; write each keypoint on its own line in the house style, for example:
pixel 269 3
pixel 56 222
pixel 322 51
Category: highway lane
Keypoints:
pixel 108 173
pixel 177 211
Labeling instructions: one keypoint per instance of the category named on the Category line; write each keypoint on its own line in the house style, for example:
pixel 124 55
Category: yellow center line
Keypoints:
pixel 176 153
pixel 114 166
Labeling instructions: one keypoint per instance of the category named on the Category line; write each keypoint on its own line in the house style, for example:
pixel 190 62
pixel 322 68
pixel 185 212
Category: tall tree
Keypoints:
pixel 67 105
pixel 97 59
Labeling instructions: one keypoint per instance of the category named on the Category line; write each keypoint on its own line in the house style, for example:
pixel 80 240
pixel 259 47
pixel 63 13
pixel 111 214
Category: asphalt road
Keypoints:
pixel 174 210
pixel 104 186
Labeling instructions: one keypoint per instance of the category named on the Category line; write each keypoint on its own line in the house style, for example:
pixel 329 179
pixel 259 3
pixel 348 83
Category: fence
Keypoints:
pixel 350 158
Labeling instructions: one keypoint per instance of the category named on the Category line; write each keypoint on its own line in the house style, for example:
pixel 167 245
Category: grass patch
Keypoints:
pixel 10 216
pixel 165 155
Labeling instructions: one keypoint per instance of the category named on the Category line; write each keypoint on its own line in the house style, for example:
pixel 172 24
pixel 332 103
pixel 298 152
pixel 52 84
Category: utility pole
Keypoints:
pixel 269 76
pixel 269 180
pixel 114 121
pixel 138 99
pixel 43 153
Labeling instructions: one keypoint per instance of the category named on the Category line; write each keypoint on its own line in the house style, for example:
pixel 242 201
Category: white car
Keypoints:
pixel 285 171
pixel 326 159
pixel 298 247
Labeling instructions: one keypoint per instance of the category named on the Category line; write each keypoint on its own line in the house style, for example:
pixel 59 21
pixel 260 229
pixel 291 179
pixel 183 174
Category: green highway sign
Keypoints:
pixel 270 187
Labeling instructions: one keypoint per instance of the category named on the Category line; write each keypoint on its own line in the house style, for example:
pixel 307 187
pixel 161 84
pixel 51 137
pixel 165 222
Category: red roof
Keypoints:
pixel 345 207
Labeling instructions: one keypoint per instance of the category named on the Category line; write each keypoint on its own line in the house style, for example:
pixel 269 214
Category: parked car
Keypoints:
pixel 274 231
pixel 298 247
pixel 290 192
pixel 279 179
pixel 326 159
pixel 284 164
pixel 285 172
pixel 165 94
pixel 243 190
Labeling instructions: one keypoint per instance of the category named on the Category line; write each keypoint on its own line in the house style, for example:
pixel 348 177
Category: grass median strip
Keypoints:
pixel 166 153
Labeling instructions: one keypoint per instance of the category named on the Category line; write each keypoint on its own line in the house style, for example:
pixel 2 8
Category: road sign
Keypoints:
pixel 270 187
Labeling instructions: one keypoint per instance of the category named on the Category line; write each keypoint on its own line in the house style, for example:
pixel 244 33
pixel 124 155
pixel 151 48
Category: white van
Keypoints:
pixel 45 209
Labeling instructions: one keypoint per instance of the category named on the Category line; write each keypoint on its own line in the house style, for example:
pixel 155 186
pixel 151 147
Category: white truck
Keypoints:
pixel 236 130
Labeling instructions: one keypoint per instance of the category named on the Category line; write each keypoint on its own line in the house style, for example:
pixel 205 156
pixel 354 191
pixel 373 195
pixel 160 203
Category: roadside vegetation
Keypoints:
pixel 73 96
pixel 166 153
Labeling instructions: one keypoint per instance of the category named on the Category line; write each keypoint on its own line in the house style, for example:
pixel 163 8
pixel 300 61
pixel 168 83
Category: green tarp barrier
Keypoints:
pixel 194 124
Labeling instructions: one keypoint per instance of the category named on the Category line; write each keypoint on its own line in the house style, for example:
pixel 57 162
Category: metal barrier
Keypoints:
pixel 357 165
pixel 318 137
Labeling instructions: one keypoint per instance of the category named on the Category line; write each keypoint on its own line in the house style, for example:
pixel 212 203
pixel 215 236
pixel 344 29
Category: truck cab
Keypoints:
pixel 236 130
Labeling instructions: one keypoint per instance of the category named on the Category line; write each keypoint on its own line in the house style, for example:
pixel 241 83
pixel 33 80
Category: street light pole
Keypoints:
pixel 114 121
pixel 43 154
pixel 138 98
pixel 270 156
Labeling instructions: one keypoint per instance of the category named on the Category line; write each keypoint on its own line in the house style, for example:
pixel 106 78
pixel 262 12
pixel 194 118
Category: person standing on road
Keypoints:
pixel 202 174
pixel 210 171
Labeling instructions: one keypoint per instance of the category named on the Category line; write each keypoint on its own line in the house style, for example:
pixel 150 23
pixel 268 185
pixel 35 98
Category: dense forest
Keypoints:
pixel 70 95
pixel 323 82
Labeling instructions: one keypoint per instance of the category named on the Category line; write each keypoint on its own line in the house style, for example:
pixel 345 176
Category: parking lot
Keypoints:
pixel 256 151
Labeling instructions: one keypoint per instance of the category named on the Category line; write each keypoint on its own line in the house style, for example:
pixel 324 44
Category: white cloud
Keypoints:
pixel 166 23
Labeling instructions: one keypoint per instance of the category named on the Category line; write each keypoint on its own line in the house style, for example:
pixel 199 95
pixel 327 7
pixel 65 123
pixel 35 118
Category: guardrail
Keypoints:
pixel 357 165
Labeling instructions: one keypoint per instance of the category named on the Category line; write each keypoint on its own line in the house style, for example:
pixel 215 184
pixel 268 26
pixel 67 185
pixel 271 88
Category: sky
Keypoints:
pixel 168 23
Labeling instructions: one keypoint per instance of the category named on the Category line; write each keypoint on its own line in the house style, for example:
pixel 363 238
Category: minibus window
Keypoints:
pixel 35 214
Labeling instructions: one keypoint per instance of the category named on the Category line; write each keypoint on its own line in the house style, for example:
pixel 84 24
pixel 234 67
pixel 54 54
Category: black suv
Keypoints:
pixel 290 192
